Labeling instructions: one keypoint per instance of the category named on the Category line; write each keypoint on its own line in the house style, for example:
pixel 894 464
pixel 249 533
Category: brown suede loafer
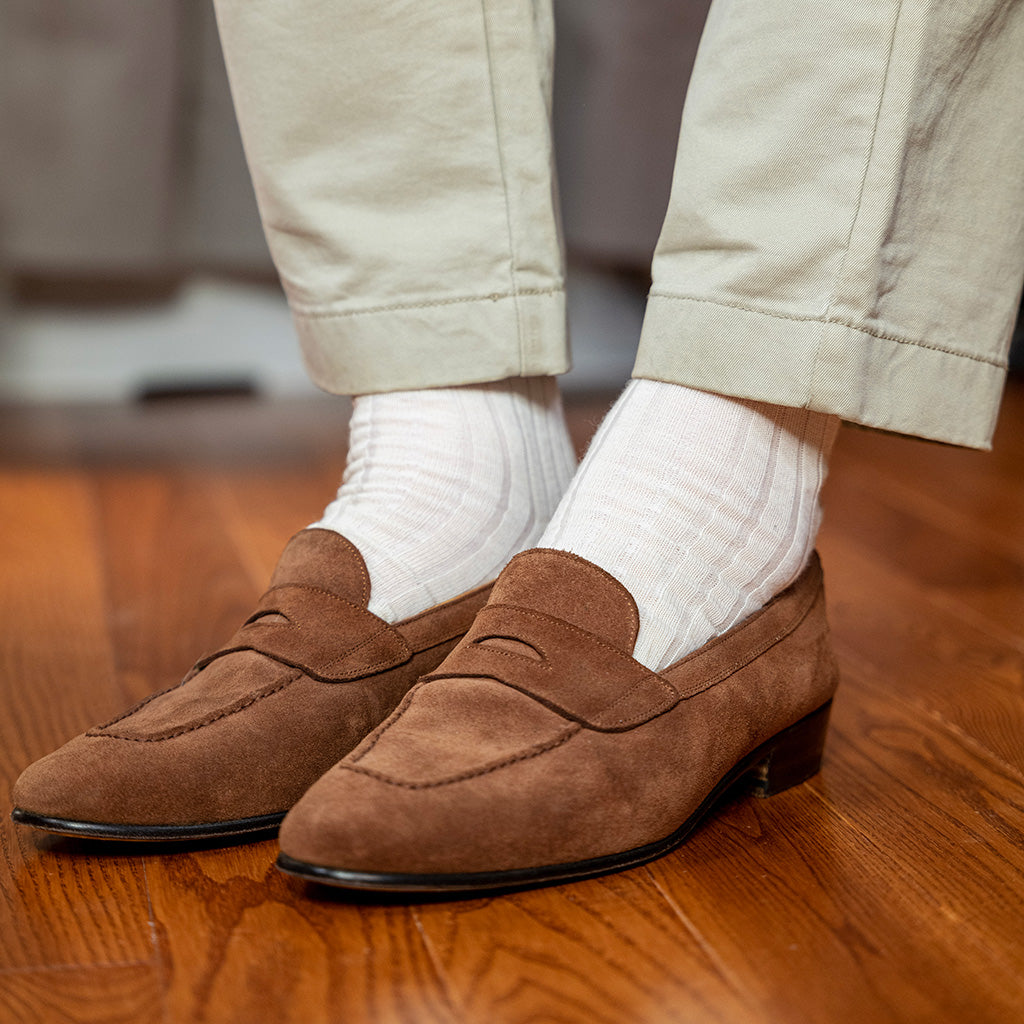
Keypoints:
pixel 253 725
pixel 542 752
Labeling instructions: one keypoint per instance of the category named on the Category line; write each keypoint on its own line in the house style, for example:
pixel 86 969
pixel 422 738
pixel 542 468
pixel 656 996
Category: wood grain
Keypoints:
pixel 176 586
pixel 117 994
pixel 945 666
pixel 56 678
pixel 244 943
pixel 888 889
pixel 606 950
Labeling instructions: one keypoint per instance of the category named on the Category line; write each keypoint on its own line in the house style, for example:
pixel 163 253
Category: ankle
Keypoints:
pixel 443 486
pixel 704 506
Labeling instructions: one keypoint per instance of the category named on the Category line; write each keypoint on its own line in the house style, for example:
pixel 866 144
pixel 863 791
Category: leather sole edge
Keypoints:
pixel 260 826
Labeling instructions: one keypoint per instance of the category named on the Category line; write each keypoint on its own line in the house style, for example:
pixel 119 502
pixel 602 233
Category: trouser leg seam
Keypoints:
pixel 860 203
pixel 504 182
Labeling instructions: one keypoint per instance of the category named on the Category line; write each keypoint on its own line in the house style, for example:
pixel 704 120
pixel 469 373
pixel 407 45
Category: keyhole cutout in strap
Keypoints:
pixel 511 644
pixel 268 619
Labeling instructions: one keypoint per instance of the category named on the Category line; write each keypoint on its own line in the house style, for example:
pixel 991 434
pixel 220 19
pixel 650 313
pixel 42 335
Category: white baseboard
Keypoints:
pixel 215 331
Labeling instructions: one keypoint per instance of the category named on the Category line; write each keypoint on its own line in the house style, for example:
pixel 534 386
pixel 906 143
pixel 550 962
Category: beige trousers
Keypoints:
pixel 845 233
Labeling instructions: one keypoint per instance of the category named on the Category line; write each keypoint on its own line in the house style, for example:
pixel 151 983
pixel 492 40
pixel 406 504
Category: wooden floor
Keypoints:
pixel 888 889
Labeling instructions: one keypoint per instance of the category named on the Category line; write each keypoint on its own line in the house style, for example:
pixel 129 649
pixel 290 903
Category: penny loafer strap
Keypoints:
pixel 564 667
pixel 326 636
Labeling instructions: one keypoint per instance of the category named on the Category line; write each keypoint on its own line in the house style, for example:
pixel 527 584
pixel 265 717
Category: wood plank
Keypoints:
pixel 53 608
pixel 967 499
pixel 889 889
pixel 57 679
pixel 120 994
pixel 177 588
pixel 955 566
pixel 937 662
pixel 244 943
pixel 986 488
pixel 951 520
pixel 261 511
pixel 597 952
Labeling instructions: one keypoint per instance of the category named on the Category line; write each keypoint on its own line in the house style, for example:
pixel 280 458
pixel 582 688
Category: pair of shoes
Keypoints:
pixel 538 751
pixel 231 748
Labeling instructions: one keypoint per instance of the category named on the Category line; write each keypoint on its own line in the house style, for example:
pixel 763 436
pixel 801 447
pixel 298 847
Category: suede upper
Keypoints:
pixel 541 741
pixel 307 676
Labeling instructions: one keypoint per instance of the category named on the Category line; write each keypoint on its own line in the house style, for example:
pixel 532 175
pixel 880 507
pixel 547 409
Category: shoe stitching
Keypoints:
pixel 136 707
pixel 801 613
pixel 332 665
pixel 364 576
pixel 591 638
pixel 618 587
pixel 640 716
pixel 813 569
pixel 457 631
pixel 544 663
pixel 100 730
pixel 383 663
pixel 799 616
pixel 558 709
pixel 670 692
pixel 201 723
pixel 439 642
pixel 363 671
pixel 535 751
pixel 585 634
pixel 317 590
pixel 373 738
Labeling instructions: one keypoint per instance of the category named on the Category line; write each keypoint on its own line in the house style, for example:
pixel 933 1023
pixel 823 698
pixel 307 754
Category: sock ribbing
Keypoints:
pixel 704 506
pixel 443 486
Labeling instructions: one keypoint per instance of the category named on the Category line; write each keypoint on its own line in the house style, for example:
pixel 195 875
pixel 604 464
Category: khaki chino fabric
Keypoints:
pixel 845 233
pixel 401 156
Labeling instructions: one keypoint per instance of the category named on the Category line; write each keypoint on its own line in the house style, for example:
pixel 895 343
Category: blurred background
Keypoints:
pixel 131 256
pixel 132 262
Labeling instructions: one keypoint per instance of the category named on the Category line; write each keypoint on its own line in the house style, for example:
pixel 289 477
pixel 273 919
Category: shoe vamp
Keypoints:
pixel 593 794
pixel 449 728
pixel 228 685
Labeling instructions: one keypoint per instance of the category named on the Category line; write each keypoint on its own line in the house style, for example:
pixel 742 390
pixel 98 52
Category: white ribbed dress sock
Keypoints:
pixel 443 486
pixel 705 507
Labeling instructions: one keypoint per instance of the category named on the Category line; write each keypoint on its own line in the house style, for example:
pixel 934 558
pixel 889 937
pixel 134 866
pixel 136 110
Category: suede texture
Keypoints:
pixel 540 741
pixel 255 723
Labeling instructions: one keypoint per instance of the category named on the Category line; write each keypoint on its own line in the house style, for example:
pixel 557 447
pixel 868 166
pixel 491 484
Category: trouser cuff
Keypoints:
pixel 442 343
pixel 874 378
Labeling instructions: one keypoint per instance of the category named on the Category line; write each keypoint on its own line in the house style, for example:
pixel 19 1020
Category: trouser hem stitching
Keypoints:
pixel 310 314
pixel 881 335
